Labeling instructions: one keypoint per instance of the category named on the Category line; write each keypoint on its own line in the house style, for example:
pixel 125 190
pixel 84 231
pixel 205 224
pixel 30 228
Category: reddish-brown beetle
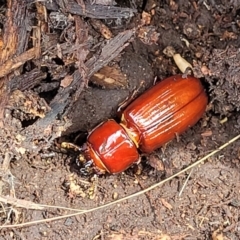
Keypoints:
pixel 157 116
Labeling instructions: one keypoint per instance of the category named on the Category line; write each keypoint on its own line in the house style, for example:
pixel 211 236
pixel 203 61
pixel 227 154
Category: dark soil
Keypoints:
pixel 207 34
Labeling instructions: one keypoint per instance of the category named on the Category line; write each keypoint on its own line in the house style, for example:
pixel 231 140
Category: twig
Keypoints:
pixel 184 185
pixel 20 203
pixel 18 61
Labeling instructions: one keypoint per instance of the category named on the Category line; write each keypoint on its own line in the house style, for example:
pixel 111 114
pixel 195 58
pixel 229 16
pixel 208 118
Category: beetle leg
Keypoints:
pixel 164 147
pixel 155 80
pixel 80 161
pixel 139 160
pixel 69 145
pixel 177 136
pixel 87 168
pixel 85 171
pixel 138 169
pixel 88 164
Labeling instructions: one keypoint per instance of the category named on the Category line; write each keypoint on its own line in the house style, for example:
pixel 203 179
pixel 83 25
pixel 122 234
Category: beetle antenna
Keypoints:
pixel 73 146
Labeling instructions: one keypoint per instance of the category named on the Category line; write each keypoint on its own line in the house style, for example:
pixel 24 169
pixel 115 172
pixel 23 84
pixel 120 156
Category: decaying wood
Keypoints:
pixel 14 63
pixel 82 51
pixel 100 27
pixel 27 80
pixel 74 50
pixel 48 128
pixel 110 51
pixel 15 39
pixel 105 2
pixel 110 78
pixel 96 10
pixel 15 35
pixel 27 105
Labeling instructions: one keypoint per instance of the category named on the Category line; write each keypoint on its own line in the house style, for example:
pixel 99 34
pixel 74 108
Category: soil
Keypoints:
pixel 202 203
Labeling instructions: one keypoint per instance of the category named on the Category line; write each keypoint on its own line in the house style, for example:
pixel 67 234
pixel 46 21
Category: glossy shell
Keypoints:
pixel 110 147
pixel 164 111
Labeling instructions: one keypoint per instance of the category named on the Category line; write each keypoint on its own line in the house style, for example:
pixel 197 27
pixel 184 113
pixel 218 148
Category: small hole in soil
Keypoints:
pixel 48 96
pixel 26 123
pixel 58 61
pixel 144 4
pixel 238 12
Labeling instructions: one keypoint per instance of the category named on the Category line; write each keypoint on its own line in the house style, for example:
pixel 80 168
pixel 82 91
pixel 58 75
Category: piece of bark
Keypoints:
pixel 105 2
pixel 51 5
pixel 14 63
pixel 15 34
pixel 101 28
pixel 15 40
pixel 109 51
pixel 110 78
pixel 27 80
pixel 81 42
pixel 96 11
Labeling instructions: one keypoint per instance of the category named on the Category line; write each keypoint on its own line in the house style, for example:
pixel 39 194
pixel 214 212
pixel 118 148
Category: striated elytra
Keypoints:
pixel 157 116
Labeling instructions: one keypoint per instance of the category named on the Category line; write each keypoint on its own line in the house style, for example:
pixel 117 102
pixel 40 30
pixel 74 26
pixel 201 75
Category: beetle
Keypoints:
pixel 154 118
